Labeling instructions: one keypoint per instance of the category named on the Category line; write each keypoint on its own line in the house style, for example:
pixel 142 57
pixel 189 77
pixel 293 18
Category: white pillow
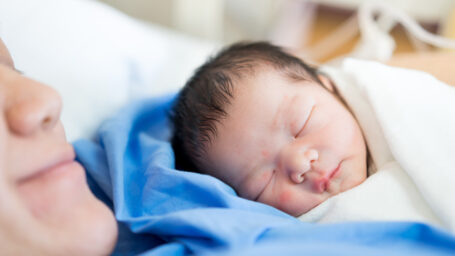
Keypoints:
pixel 95 56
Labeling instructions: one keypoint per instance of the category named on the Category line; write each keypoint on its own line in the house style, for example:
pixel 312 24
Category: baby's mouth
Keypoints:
pixel 321 184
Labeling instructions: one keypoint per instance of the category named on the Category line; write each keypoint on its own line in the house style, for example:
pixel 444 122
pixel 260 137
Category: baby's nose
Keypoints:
pixel 32 107
pixel 301 164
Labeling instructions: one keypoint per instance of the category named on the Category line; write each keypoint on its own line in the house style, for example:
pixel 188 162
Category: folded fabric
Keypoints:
pixel 164 211
pixel 407 117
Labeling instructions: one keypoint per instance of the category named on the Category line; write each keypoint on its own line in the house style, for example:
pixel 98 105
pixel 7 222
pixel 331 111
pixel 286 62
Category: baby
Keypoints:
pixel 271 127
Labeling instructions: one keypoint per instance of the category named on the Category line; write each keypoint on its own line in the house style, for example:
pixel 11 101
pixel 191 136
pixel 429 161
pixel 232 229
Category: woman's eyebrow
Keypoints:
pixel 7 63
pixel 3 61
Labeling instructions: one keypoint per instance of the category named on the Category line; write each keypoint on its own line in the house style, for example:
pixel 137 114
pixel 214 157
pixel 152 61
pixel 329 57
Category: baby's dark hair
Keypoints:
pixel 203 100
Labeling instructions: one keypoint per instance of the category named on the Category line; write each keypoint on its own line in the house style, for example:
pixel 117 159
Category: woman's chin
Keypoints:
pixel 96 228
pixel 63 203
pixel 99 233
pixel 90 229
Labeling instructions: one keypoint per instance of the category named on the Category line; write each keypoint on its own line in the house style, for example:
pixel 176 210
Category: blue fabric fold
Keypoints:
pixel 164 211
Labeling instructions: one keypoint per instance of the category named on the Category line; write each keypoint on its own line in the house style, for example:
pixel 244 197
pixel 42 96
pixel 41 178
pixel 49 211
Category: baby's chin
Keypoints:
pixel 298 210
pixel 310 209
pixel 333 190
pixel 350 184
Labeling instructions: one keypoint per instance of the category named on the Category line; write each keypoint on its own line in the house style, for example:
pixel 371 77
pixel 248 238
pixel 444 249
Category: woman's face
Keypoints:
pixel 46 206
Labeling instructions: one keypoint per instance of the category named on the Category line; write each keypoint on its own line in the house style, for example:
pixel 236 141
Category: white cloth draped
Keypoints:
pixel 408 118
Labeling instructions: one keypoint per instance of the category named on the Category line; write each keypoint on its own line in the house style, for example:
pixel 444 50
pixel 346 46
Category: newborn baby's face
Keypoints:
pixel 287 144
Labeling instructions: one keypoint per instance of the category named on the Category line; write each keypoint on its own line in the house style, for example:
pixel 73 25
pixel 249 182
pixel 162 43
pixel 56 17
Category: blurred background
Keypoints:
pixel 87 49
pixel 320 29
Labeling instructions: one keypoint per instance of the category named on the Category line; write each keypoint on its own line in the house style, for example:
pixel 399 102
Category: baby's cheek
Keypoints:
pixel 285 197
pixel 295 203
pixel 287 201
pixel 264 178
pixel 265 154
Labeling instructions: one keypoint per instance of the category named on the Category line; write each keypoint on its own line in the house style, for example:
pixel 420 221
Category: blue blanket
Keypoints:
pixel 164 211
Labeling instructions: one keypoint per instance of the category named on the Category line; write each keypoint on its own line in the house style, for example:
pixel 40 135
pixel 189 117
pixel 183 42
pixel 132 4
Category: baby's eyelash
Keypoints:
pixel 266 185
pixel 306 122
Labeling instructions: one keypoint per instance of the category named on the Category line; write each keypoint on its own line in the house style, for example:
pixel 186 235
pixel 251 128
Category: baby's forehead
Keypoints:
pixel 256 99
pixel 265 72
pixel 263 81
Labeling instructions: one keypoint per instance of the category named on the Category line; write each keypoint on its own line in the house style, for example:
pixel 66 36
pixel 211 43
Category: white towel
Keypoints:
pixel 408 118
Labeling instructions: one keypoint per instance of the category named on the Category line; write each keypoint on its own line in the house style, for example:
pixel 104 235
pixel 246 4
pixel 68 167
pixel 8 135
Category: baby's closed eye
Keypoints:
pixel 269 176
pixel 307 121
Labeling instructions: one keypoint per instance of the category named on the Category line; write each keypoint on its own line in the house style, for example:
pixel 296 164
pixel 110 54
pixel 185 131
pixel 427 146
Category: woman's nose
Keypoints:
pixel 298 162
pixel 32 107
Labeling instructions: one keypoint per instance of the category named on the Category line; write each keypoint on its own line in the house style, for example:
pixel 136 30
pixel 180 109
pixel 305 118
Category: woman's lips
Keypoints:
pixel 60 161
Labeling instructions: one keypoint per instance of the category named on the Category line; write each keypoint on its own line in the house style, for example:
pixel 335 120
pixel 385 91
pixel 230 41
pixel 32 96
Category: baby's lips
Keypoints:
pixel 320 184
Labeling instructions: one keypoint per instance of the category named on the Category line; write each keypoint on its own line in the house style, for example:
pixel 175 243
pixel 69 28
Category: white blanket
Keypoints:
pixel 408 118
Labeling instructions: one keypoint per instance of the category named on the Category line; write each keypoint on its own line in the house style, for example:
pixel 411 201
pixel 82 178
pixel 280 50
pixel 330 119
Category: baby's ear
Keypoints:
pixel 326 82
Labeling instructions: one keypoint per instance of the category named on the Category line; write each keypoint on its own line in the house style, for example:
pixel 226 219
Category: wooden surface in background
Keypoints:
pixel 438 63
pixel 328 19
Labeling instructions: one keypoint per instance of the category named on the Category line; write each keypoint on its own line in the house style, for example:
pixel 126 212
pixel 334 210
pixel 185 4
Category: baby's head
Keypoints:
pixel 270 126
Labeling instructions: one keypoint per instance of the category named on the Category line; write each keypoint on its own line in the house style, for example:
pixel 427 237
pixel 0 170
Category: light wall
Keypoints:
pixel 219 20
pixel 231 20
pixel 156 11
